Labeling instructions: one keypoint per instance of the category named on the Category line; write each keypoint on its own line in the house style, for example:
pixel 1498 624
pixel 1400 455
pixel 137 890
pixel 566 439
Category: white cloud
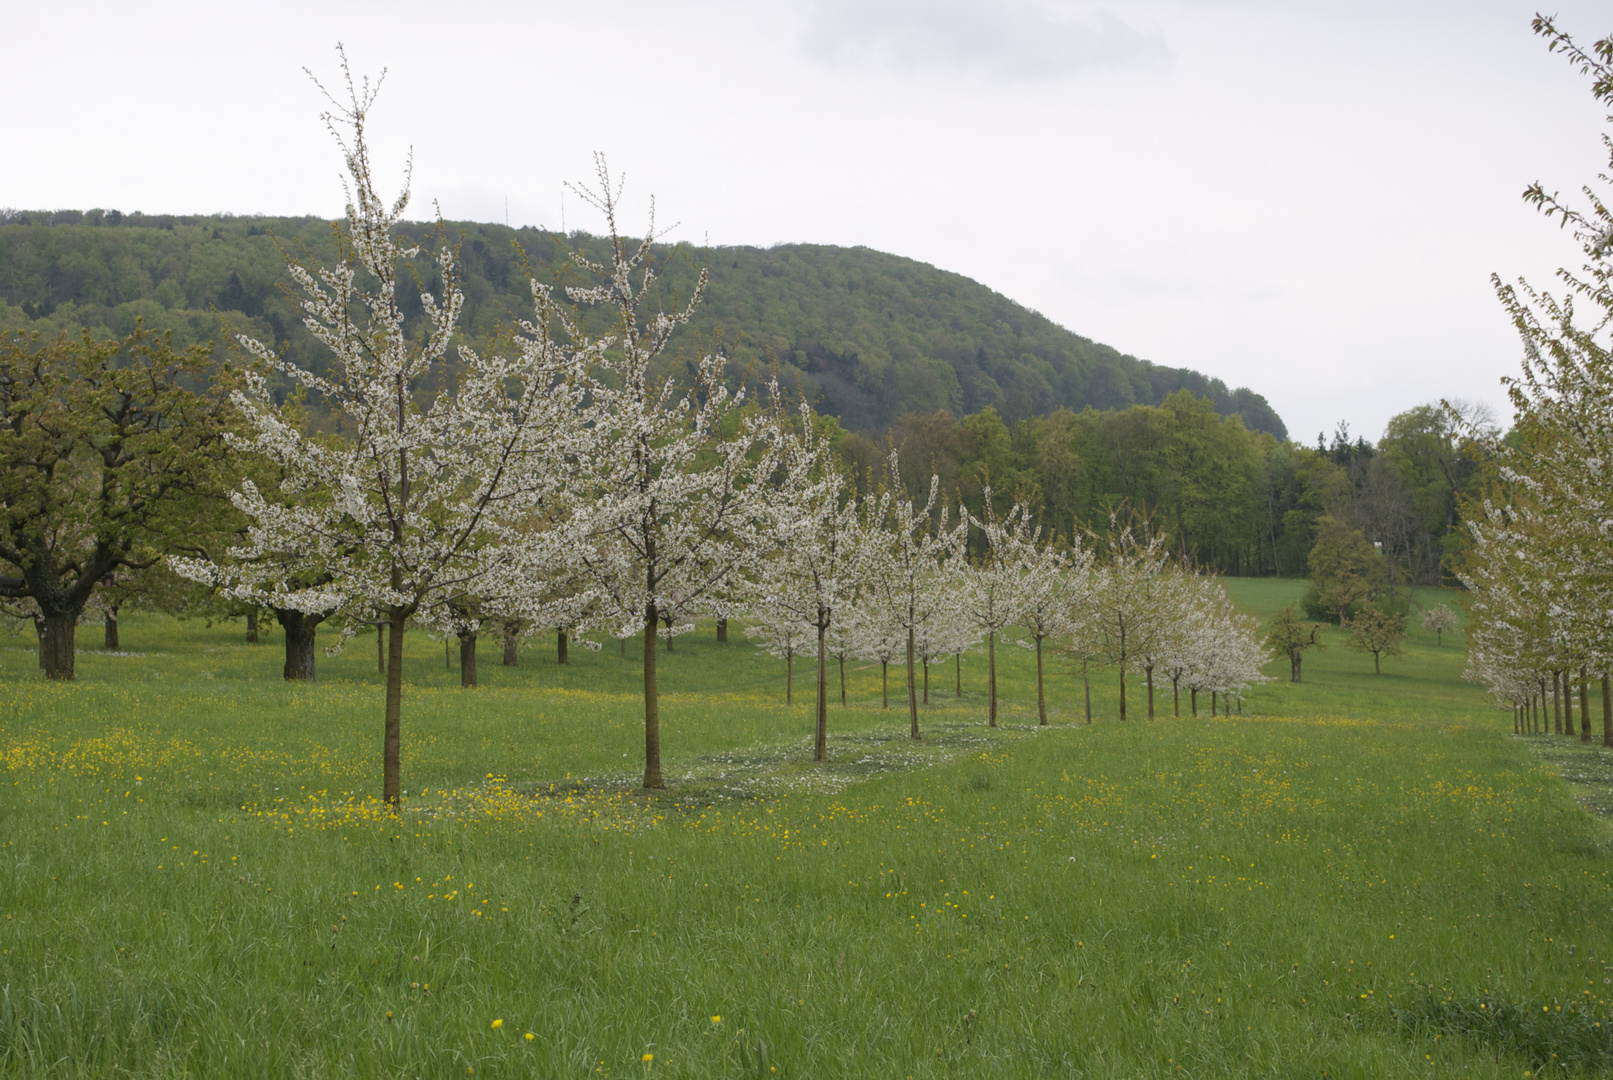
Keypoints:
pixel 1009 39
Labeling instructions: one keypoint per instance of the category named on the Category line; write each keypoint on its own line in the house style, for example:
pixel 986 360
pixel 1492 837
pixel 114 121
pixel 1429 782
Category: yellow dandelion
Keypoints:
pixel 716 1019
pixel 497 1024
pixel 647 1058
pixel 529 1036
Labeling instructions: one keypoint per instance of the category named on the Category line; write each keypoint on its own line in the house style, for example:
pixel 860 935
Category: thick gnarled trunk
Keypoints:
pixel 56 644
pixel 300 628
pixel 562 646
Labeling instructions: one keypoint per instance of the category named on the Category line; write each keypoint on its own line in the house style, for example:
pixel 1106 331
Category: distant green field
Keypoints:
pixel 1363 876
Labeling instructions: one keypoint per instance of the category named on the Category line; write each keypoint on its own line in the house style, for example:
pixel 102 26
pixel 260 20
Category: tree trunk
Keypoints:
pixel 1376 670
pixel 56 645
pixel 926 680
pixel 1086 683
pixel 1176 697
pixel 512 655
pixel 1215 697
pixel 1295 658
pixel 112 629
pixel 1148 673
pixel 1557 703
pixel 621 647
pixel 789 678
pixel 842 682
pixel 1607 712
pixel 668 622
pixel 251 627
pixel 300 628
pixel 391 759
pixel 1542 703
pixel 884 684
pixel 380 648
pixel 991 679
pixel 1584 708
pixel 447 656
pixel 1193 700
pixel 912 690
pixel 561 643
pixel 957 668
pixel 1568 704
pixel 722 629
pixel 1122 691
pixel 467 660
pixel 652 704
pixel 820 738
pixel 1041 699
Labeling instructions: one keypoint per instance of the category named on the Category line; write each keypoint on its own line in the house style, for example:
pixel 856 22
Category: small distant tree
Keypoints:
pixel 1346 571
pixel 1378 632
pixel 1291 635
pixel 1439 619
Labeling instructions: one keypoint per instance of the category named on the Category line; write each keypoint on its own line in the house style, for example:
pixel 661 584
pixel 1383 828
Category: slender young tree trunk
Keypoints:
pixel 1607 712
pixel 912 690
pixel 926 680
pixel 820 740
pixel 1122 691
pixel 621 647
pixel 884 684
pixel 1568 703
pixel 1557 702
pixel 300 628
pixel 1376 670
pixel 957 668
pixel 1193 700
pixel 1086 685
pixel 1295 659
pixel 1584 707
pixel 380 648
pixel 1148 673
pixel 1041 699
pixel 467 660
pixel 1176 697
pixel 56 645
pixel 991 679
pixel 842 662
pixel 447 655
pixel 512 654
pixel 1542 704
pixel 391 759
pixel 251 626
pixel 789 677
pixel 1214 700
pixel 112 629
pixel 722 629
pixel 652 704
pixel 562 655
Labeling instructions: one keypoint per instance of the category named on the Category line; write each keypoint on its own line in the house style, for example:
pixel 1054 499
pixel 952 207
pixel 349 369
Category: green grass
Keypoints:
pixel 1364 876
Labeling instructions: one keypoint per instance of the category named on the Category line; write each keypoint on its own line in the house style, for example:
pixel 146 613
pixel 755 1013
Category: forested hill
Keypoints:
pixel 868 336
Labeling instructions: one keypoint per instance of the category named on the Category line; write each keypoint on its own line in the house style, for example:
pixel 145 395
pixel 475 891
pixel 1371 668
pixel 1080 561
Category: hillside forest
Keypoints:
pixel 963 381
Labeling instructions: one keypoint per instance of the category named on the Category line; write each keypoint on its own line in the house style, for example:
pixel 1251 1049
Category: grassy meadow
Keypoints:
pixel 1363 876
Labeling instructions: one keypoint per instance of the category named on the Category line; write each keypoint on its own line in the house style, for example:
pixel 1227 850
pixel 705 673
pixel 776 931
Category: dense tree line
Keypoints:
pixel 1237 501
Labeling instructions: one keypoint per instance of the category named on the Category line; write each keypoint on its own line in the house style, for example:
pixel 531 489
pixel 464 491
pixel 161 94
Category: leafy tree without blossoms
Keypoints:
pixel 1291 636
pixel 1441 619
pixel 403 510
pixel 1378 632
pixel 678 486
pixel 107 459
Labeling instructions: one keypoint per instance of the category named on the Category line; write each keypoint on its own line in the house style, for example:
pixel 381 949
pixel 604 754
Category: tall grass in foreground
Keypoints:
pixel 194 879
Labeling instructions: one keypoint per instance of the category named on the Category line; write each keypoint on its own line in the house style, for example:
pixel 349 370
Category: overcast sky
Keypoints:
pixel 1307 198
